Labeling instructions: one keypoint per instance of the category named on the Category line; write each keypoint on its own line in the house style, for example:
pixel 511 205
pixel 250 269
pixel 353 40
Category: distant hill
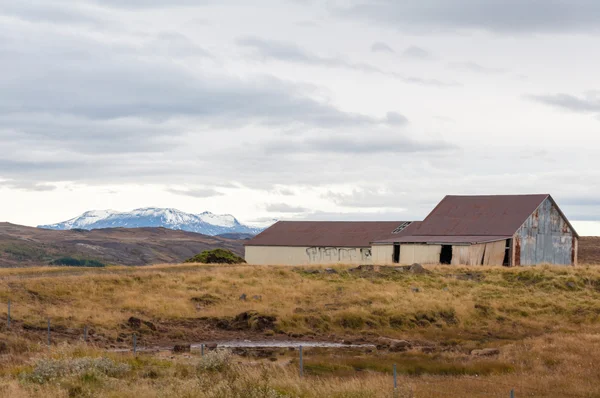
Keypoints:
pixel 26 246
pixel 237 236
pixel 589 250
pixel 204 223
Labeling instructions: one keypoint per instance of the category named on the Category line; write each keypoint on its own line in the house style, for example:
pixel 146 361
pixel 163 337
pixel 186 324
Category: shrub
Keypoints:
pixel 216 256
pixel 46 370
pixel 74 262
pixel 215 361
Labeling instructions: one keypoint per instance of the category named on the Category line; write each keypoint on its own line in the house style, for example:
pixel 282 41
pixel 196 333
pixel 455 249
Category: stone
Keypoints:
pixel 486 352
pixel 179 348
pixel 134 322
pixel 243 297
pixel 257 298
pixel 415 289
pixel 211 346
pixel 330 271
pixel 417 268
pixel 384 343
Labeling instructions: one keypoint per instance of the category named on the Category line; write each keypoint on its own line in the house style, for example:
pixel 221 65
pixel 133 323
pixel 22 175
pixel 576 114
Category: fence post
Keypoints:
pixel 512 393
pixel 85 334
pixel 395 380
pixel 202 349
pixel 134 344
pixel 301 363
pixel 48 332
pixel 8 316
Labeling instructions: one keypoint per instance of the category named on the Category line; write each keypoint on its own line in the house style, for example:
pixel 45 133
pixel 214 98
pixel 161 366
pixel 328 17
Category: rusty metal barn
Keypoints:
pixel 470 230
pixel 486 230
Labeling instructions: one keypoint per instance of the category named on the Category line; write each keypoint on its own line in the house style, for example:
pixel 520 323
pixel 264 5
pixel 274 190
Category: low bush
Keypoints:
pixel 215 361
pixel 216 256
pixel 74 262
pixel 46 370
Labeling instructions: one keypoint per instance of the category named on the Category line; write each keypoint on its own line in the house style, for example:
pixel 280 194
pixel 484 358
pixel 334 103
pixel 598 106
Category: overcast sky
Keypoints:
pixel 296 109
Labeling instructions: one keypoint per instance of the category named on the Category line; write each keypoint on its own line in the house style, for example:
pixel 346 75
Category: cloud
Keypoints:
pixel 504 16
pixel 27 186
pixel 589 103
pixel 368 198
pixel 196 193
pixel 417 53
pixel 44 11
pixel 284 208
pixel 289 52
pixel 342 144
pixel 476 68
pixel 381 47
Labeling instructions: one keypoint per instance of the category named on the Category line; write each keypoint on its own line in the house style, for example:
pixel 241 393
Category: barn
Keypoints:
pixel 485 230
pixel 319 242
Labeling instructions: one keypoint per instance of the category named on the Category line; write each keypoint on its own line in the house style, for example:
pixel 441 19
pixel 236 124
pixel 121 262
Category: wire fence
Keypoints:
pixel 500 389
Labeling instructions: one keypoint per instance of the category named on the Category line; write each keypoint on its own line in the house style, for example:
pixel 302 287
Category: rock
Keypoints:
pixel 415 289
pixel 417 269
pixel 347 342
pixel 313 272
pixel 211 346
pixel 486 352
pixel 243 297
pixel 330 271
pixel 384 343
pixel 150 325
pixel 427 350
pixel 179 348
pixel 257 298
pixel 134 322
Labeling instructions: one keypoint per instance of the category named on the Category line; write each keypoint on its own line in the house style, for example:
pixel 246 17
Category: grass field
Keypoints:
pixel 545 321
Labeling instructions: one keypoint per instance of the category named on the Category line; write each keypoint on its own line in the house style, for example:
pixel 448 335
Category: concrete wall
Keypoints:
pixel 545 237
pixel 409 254
pixel 382 254
pixel 290 255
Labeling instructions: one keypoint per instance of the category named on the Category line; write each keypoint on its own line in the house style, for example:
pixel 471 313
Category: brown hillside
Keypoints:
pixel 589 250
pixel 25 246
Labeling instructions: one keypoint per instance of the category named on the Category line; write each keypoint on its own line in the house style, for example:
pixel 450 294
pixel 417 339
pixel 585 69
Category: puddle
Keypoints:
pixel 281 344
pixel 252 344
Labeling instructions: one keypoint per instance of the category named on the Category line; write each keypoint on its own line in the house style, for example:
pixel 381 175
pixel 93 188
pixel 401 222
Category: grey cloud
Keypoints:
pixel 148 4
pixel 512 16
pixel 47 12
pixel 289 52
pixel 354 145
pixel 417 53
pixel 196 193
pixel 27 186
pixel 284 208
pixel 381 47
pixel 383 215
pixel 110 86
pixel 476 68
pixel 369 198
pixel 590 103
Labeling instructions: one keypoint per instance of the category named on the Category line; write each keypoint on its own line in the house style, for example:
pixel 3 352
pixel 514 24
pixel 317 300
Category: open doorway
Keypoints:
pixel 506 261
pixel 396 256
pixel 446 254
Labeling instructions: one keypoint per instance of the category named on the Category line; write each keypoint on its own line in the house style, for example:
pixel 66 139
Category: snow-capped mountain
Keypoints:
pixel 205 223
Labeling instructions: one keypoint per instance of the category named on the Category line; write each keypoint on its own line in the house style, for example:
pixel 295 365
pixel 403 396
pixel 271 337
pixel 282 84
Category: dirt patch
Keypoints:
pixel 249 320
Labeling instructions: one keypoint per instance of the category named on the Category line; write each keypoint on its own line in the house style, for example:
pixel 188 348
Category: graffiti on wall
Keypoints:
pixel 324 255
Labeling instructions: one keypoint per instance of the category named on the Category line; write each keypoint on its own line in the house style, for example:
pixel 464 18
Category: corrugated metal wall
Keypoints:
pixel 289 255
pixel 544 238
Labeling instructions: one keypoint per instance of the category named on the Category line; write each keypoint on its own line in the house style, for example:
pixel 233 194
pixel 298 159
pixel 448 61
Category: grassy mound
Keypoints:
pixel 216 256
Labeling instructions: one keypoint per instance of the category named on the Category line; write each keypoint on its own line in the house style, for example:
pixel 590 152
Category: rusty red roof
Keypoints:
pixel 324 233
pixel 494 215
pixel 443 240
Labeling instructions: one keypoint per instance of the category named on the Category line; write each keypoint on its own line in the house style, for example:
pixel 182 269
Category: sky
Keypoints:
pixel 297 109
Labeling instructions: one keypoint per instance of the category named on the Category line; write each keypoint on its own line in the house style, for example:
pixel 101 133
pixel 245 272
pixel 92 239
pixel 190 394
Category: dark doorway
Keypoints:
pixel 506 261
pixel 396 257
pixel 446 254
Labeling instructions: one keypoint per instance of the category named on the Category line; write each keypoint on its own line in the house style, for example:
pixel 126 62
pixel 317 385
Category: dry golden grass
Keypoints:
pixel 545 319
pixel 551 366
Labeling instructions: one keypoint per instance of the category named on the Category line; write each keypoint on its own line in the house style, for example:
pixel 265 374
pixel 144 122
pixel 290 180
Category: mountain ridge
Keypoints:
pixel 205 223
